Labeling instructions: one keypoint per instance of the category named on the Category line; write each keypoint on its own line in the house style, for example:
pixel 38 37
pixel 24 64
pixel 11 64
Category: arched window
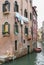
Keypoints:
pixel 6 7
pixel 30 2
pixel 26 30
pixel 25 13
pixel 6 28
pixel 16 28
pixel 16 7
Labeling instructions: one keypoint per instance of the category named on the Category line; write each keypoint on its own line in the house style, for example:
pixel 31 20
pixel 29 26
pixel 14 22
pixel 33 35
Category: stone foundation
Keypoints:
pixel 20 54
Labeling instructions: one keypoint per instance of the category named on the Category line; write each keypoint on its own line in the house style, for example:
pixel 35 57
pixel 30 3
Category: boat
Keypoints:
pixel 37 49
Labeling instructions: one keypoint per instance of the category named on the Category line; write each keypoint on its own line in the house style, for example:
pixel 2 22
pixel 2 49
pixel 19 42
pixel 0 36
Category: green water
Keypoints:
pixel 31 59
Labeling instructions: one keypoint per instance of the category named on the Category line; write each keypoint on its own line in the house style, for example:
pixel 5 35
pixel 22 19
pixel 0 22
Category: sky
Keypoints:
pixel 40 11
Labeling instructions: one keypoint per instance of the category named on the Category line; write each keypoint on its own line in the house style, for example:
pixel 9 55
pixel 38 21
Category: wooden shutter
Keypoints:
pixel 16 27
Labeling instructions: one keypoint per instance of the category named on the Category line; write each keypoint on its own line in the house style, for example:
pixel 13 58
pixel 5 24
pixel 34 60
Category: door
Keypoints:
pixel 28 48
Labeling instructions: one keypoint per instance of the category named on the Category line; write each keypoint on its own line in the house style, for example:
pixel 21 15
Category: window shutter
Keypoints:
pixel 17 8
pixel 17 28
pixel 9 6
pixel 2 29
pixel 16 31
pixel 9 28
pixel 26 30
pixel 3 7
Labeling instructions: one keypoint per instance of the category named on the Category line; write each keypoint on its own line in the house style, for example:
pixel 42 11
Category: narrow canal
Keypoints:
pixel 31 59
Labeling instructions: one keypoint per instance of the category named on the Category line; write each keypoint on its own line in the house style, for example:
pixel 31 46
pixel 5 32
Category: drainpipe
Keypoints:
pixel 21 21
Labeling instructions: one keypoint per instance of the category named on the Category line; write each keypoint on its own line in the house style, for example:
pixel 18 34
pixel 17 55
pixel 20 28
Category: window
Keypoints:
pixel 30 16
pixel 16 7
pixel 6 28
pixel 26 30
pixel 15 44
pixel 26 0
pixel 16 28
pixel 25 13
pixel 30 2
pixel 31 30
pixel 24 41
pixel 6 7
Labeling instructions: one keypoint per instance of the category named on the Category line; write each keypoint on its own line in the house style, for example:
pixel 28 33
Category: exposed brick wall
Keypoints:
pixel 7 43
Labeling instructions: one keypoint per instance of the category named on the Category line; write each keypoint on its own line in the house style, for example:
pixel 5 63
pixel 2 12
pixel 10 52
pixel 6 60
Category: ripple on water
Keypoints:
pixel 40 59
pixel 31 59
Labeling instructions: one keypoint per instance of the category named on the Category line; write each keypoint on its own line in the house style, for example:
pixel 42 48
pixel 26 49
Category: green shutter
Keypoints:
pixel 2 29
pixel 9 28
pixel 17 28
pixel 27 31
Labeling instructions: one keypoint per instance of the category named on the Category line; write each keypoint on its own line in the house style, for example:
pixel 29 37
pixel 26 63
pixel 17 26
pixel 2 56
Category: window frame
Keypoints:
pixel 16 30
pixel 26 30
pixel 4 7
pixel 25 13
pixel 16 7
pixel 3 28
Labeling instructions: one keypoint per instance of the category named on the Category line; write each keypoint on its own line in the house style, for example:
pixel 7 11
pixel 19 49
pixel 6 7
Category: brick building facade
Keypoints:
pixel 15 26
pixel 43 31
pixel 34 26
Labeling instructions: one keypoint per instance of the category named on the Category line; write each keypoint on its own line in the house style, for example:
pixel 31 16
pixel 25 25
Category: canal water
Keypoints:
pixel 30 59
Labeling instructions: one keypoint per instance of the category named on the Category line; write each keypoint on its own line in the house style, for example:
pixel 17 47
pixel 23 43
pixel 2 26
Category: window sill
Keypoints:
pixel 6 35
pixel 7 12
